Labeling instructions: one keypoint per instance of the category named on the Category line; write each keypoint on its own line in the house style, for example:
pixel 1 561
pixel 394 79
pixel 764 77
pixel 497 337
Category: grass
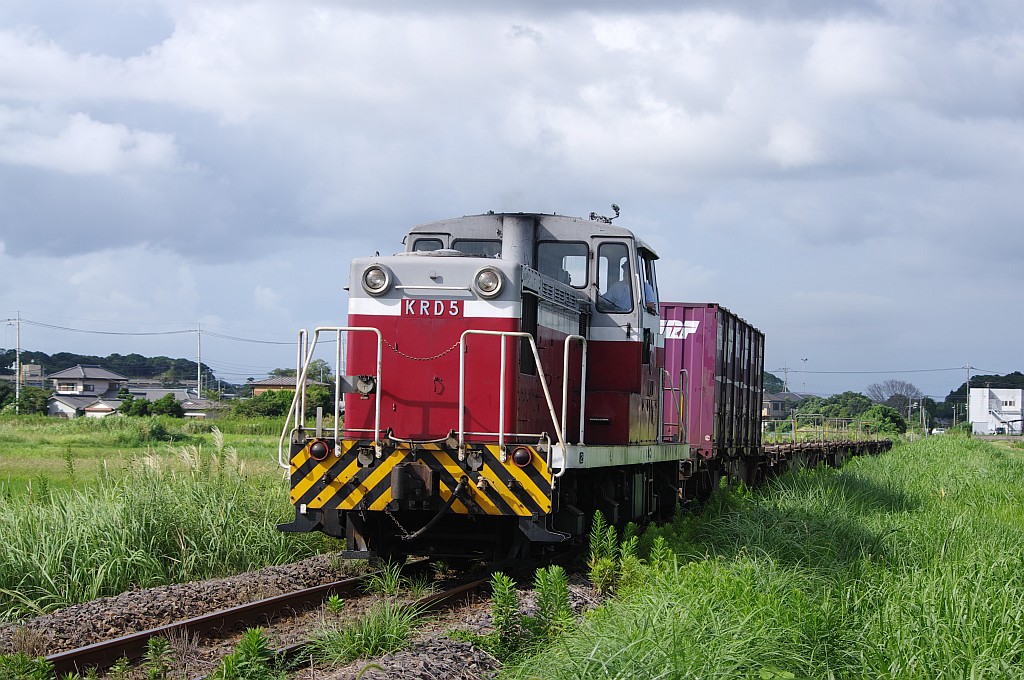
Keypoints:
pixel 185 512
pixel 906 565
pixel 385 628
pixel 37 447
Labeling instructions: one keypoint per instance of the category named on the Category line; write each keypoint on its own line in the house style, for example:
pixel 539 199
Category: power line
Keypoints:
pixel 95 332
pixel 908 370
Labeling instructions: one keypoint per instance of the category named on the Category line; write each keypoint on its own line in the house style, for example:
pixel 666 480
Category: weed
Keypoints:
pixel 385 581
pixel 121 670
pixel 334 604
pixel 384 629
pixel 24 667
pixel 69 463
pixel 157 662
pixel 420 585
pixel 253 659
pixel 553 612
pixel 29 641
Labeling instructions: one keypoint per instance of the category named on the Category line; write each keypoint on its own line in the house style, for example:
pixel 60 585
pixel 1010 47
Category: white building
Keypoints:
pixel 995 410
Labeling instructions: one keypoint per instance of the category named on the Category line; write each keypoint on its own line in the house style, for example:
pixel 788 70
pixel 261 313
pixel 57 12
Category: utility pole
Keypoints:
pixel 967 413
pixel 199 363
pixel 17 365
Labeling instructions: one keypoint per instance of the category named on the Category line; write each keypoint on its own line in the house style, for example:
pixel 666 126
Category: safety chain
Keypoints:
pixel 409 356
pixel 387 511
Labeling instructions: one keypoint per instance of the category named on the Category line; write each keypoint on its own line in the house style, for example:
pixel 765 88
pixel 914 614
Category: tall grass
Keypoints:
pixel 906 565
pixel 168 518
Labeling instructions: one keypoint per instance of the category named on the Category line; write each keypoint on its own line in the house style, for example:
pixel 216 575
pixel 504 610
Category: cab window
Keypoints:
pixel 424 245
pixel 614 279
pixel 564 262
pixel 645 265
pixel 477 247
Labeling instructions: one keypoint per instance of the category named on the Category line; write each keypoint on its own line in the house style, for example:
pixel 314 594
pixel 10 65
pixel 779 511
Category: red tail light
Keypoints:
pixel 319 449
pixel 522 456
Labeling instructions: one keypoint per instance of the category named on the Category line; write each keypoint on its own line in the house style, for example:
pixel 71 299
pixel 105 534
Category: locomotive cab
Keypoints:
pixel 502 381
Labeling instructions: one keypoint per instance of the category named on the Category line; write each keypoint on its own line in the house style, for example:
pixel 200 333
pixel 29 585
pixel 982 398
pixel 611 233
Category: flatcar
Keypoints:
pixel 506 376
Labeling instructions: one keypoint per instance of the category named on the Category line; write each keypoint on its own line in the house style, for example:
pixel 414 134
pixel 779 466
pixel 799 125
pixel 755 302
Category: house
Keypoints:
pixel 780 405
pixel 93 392
pixel 87 380
pixel 80 387
pixel 995 410
pixel 277 383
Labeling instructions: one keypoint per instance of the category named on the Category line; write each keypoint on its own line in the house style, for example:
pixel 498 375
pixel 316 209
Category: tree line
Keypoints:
pixel 167 370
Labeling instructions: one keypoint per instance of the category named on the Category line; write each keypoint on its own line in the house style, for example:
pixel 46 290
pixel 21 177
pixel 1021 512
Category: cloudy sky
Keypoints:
pixel 847 176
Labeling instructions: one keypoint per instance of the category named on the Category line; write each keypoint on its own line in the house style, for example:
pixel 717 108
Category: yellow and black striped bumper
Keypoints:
pixel 342 482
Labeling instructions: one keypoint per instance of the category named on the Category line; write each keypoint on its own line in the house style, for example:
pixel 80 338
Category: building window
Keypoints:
pixel 88 388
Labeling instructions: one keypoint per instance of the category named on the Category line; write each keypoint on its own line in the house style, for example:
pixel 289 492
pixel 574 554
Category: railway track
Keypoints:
pixel 103 655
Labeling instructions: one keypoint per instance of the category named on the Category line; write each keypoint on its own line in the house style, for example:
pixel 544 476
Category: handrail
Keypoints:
pixel 684 395
pixel 565 383
pixel 501 397
pixel 306 351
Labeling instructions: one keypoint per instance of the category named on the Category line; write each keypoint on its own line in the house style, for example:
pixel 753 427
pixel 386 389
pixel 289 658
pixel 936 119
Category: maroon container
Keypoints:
pixel 715 362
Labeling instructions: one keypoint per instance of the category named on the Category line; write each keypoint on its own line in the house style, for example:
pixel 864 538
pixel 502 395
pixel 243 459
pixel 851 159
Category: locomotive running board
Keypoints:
pixel 580 456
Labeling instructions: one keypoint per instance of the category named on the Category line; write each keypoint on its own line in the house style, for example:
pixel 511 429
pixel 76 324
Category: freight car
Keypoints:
pixel 505 377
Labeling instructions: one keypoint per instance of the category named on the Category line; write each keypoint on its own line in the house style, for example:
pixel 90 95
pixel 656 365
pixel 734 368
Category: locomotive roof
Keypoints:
pixel 566 227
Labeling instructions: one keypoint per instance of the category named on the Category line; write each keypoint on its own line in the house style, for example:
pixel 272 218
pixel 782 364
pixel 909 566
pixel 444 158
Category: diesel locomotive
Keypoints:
pixel 506 376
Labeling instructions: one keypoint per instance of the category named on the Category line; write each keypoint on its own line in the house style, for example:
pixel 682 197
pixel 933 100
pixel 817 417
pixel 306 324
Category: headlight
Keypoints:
pixel 376 280
pixel 488 282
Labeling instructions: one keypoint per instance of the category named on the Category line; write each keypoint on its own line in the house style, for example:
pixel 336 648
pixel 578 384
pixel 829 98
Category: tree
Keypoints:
pixel 282 372
pixel 320 370
pixel 33 400
pixel 895 393
pixel 6 393
pixel 772 383
pixel 886 419
pixel 136 407
pixel 167 405
pixel 246 390
pixel 269 404
pixel 845 405
pixel 319 395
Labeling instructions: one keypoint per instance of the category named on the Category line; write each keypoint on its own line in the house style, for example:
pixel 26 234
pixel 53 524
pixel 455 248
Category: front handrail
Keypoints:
pixel 298 405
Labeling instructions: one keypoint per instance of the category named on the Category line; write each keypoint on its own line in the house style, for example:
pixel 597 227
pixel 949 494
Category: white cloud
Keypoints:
pixel 268 300
pixel 82 146
pixel 792 145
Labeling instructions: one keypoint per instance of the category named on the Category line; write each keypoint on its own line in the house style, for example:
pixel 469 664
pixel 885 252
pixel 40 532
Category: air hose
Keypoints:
pixel 459 488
